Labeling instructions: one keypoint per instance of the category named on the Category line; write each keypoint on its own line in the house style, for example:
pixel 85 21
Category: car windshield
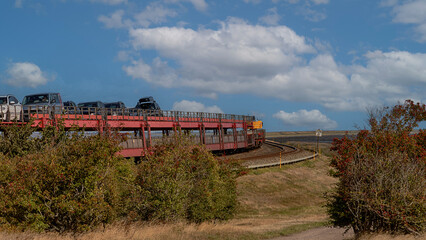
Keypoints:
pixel 35 99
pixel 3 100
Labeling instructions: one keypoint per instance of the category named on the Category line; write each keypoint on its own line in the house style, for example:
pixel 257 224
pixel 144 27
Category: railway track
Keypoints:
pixel 274 154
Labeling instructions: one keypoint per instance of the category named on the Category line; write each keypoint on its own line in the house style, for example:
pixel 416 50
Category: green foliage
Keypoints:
pixel 382 174
pixel 65 183
pixel 16 140
pixel 183 181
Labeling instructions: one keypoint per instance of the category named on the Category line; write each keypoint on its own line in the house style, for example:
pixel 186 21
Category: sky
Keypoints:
pixel 294 64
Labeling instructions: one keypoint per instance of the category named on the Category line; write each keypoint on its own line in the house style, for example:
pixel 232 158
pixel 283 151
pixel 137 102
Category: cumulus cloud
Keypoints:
pixel 193 106
pixel 115 20
pixel 303 118
pixel 25 74
pixel 154 13
pixel 410 12
pixel 235 53
pixel 200 5
pixel 158 73
pixel 270 61
pixel 271 18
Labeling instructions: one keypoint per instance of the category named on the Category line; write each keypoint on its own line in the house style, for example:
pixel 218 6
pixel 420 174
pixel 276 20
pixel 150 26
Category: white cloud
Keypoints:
pixel 115 20
pixel 303 118
pixel 193 106
pixel 410 12
pixel 320 1
pixel 235 45
pixel 154 13
pixel 26 74
pixel 269 61
pixel 312 15
pixel 200 5
pixel 271 18
pixel 159 73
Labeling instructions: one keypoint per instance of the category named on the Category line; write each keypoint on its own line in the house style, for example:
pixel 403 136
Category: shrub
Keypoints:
pixel 72 183
pixel 66 181
pixel 183 181
pixel 16 140
pixel 382 174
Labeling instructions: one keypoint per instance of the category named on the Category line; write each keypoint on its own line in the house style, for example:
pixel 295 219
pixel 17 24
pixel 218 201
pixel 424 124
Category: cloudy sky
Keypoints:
pixel 295 64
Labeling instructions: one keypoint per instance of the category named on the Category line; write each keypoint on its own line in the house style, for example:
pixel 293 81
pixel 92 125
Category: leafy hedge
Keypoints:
pixel 65 181
pixel 181 180
pixel 382 174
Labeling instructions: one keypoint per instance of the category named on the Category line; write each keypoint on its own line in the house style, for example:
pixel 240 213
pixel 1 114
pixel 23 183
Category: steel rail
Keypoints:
pixel 281 146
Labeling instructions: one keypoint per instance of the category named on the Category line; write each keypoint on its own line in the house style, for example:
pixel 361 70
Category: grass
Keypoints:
pixel 273 202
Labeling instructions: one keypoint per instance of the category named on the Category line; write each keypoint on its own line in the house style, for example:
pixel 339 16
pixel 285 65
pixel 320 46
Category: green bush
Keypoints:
pixel 16 140
pixel 65 181
pixel 72 183
pixel 382 174
pixel 183 181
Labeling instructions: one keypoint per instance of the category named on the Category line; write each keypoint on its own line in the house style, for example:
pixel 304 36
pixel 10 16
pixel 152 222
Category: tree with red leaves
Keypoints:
pixel 381 172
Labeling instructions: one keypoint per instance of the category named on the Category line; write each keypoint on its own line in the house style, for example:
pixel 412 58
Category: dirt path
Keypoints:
pixel 322 233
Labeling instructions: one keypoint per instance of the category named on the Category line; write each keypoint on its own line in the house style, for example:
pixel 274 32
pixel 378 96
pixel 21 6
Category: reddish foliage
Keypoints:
pixel 382 173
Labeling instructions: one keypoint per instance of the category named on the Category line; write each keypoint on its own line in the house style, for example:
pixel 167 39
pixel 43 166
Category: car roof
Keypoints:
pixel 113 102
pixel 48 93
pixel 148 97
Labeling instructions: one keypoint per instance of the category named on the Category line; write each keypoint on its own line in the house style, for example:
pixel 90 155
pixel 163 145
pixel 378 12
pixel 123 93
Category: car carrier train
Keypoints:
pixel 146 122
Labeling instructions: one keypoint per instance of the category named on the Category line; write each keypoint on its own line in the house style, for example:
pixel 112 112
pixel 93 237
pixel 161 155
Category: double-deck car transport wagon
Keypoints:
pixel 145 124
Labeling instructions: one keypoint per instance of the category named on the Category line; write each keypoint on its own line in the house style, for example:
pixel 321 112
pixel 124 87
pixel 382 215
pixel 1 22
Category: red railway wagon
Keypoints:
pixel 215 130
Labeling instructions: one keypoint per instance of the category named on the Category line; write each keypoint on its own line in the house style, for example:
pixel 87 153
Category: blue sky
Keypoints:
pixel 295 64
